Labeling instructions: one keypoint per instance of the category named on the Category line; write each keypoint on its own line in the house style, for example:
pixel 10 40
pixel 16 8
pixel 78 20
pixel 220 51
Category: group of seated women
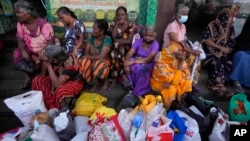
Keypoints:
pixel 110 57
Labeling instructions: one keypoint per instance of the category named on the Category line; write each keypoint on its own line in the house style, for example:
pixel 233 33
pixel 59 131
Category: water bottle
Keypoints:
pixel 41 117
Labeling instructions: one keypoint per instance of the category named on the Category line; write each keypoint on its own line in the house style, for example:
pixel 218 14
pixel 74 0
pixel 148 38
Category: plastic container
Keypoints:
pixel 41 117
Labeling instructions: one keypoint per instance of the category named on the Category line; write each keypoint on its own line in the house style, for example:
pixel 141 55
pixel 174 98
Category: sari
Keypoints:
pixel 166 71
pixel 221 33
pixel 119 51
pixel 69 89
pixel 141 73
pixel 92 70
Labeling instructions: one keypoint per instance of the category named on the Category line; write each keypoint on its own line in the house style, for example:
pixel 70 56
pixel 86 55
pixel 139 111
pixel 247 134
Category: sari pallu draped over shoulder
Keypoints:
pixel 222 33
pixel 166 72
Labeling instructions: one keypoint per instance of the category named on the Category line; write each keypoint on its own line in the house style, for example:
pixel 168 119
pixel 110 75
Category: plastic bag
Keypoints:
pixel 239 108
pixel 220 131
pixel 178 125
pixel 87 103
pixel 44 133
pixel 25 104
pixel 159 129
pixel 103 112
pixel 107 130
pixel 129 100
pixel 25 66
pixel 125 118
pixel 192 132
pixel 64 125
pixel 138 132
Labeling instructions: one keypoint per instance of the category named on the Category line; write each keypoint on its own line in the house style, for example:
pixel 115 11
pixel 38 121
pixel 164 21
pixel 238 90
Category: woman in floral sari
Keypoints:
pixel 218 41
pixel 122 33
pixel 171 75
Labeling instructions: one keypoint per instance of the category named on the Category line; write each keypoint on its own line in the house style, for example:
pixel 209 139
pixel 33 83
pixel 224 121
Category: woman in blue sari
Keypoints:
pixel 241 64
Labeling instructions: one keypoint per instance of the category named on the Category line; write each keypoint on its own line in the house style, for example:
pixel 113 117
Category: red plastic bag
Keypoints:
pixel 160 130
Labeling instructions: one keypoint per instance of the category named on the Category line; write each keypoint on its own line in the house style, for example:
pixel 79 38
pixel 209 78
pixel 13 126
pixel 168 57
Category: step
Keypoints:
pixel 9 88
pixel 6 74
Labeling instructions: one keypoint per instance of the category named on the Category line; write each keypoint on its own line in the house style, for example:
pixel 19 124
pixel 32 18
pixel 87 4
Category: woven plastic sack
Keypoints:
pixel 239 108
pixel 87 103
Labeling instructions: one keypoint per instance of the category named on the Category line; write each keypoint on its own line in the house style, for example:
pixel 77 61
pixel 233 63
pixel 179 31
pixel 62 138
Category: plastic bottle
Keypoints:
pixel 41 117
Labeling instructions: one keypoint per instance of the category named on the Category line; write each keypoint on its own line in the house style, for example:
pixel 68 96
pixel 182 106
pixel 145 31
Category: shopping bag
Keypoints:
pixel 220 130
pixel 107 130
pixel 192 132
pixel 239 108
pixel 178 125
pixel 159 130
pixel 87 103
pixel 24 105
pixel 64 125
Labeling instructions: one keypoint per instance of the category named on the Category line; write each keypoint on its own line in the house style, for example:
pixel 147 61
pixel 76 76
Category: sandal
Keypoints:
pixel 221 92
pixel 237 87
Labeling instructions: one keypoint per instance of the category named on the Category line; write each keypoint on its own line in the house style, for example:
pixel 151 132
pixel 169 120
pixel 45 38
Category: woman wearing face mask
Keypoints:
pixel 139 62
pixel 218 41
pixel 176 31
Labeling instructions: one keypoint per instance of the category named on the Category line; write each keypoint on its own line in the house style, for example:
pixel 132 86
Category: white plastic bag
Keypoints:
pixel 24 105
pixel 197 46
pixel 192 132
pixel 44 133
pixel 81 124
pixel 220 129
pixel 124 119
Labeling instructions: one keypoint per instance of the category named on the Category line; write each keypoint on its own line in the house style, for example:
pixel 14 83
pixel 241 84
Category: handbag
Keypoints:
pixel 25 66
pixel 129 100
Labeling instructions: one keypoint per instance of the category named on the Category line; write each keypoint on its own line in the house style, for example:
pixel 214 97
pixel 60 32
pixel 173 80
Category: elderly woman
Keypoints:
pixel 139 62
pixel 63 80
pixel 95 63
pixel 219 40
pixel 171 75
pixel 33 35
pixel 176 31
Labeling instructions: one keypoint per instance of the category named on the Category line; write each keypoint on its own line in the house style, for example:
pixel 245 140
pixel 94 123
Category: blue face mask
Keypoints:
pixel 183 19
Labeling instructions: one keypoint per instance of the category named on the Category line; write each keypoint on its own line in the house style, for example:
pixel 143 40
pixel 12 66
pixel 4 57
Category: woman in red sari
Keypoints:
pixel 63 80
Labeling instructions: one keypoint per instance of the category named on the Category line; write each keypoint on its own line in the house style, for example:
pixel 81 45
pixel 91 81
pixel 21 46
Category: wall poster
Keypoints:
pixel 89 10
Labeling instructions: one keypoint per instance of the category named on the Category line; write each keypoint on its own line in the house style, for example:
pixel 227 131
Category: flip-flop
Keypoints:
pixel 238 88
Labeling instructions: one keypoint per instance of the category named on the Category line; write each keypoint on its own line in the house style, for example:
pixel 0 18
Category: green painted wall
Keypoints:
pixel 148 11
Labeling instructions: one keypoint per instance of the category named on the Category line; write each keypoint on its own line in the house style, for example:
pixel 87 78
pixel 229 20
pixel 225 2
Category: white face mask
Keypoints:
pixel 183 18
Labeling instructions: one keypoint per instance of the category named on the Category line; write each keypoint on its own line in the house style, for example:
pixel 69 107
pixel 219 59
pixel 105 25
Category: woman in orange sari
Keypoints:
pixel 171 74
